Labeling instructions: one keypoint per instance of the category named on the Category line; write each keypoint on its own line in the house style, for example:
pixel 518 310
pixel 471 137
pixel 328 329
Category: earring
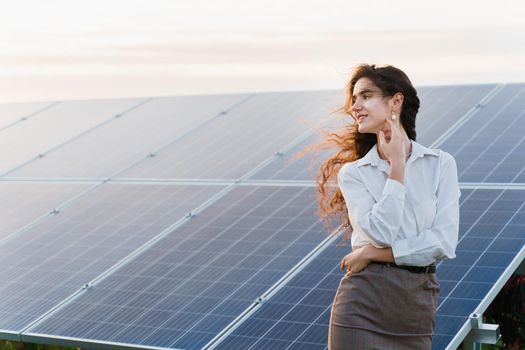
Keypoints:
pixel 393 116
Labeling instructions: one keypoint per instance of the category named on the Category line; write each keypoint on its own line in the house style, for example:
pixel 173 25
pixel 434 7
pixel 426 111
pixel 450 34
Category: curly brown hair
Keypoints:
pixel 351 145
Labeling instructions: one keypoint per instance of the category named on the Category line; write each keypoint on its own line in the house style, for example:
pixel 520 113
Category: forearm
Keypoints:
pixel 378 254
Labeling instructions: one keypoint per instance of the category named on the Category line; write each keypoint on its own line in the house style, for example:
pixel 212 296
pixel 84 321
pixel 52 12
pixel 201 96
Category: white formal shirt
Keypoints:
pixel 418 219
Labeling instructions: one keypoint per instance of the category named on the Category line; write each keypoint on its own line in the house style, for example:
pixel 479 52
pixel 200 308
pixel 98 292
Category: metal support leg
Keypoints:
pixel 481 333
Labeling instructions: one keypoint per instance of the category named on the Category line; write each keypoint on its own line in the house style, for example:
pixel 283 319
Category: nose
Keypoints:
pixel 356 106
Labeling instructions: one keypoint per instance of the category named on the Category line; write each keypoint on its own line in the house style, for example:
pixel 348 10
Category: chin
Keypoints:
pixel 366 131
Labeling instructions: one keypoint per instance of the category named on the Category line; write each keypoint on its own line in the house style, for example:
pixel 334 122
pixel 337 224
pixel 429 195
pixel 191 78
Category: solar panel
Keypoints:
pixel 488 243
pixel 285 167
pixel 490 146
pixel 22 202
pixel 56 257
pixel 182 291
pixel 297 316
pixel 234 144
pixel 450 104
pixel 52 127
pixel 17 112
pixel 437 113
pixel 116 145
pixel 123 264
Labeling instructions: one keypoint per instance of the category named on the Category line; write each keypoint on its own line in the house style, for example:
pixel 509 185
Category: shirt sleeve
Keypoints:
pixel 439 241
pixel 380 221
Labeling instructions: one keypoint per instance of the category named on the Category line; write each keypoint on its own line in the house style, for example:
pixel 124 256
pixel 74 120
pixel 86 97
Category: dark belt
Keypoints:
pixel 414 269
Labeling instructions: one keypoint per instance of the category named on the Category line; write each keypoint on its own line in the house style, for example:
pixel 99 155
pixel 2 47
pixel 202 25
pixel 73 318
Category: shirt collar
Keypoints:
pixel 372 157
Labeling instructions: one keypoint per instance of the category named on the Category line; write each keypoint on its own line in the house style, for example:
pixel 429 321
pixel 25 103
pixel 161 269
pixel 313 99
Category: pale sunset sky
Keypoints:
pixel 57 50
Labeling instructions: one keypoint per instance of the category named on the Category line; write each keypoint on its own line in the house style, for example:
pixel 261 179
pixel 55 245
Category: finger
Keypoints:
pixel 382 137
pixel 394 134
pixel 342 265
pixel 393 126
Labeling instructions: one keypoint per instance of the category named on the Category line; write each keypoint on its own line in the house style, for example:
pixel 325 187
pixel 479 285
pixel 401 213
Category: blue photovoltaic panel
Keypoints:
pixel 12 112
pixel 48 262
pixel 230 146
pixel 297 316
pixel 21 202
pixel 491 234
pixel 490 147
pixel 435 116
pixel 285 167
pixel 54 126
pixel 447 105
pixel 186 288
pixel 304 168
pixel 182 291
pixel 116 145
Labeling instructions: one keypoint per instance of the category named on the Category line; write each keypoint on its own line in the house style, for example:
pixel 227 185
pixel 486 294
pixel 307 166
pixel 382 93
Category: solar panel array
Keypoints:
pixel 186 222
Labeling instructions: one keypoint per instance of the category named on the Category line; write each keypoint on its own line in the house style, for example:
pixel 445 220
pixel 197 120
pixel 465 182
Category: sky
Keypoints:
pixel 57 50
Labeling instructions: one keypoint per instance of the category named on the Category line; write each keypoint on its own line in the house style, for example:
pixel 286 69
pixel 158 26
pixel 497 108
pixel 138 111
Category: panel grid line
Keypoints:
pixel 493 142
pixel 198 270
pixel 467 116
pixel 29 116
pixel 270 292
pixel 112 118
pixel 118 265
pixel 183 136
pixel 266 264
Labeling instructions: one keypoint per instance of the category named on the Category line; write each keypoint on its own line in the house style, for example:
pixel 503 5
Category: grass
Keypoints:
pixel 13 345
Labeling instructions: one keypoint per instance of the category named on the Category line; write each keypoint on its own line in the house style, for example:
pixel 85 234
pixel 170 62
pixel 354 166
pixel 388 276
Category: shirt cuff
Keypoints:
pixel 400 252
pixel 405 254
pixel 394 188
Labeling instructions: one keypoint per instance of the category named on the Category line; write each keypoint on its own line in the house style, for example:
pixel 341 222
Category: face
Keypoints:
pixel 369 108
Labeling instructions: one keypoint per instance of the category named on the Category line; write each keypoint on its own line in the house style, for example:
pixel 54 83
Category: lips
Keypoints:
pixel 360 117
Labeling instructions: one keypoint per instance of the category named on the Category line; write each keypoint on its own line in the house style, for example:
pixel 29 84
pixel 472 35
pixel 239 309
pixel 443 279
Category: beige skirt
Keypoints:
pixel 383 304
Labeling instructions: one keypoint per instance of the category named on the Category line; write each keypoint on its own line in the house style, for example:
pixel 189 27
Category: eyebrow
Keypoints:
pixel 364 92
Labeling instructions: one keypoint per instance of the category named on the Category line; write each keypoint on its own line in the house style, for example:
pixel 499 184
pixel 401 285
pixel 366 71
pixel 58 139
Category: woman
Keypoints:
pixel 401 201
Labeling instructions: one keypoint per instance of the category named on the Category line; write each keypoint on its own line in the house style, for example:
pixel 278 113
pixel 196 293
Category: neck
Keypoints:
pixel 408 148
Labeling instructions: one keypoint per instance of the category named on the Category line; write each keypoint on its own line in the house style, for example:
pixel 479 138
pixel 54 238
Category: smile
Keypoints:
pixel 360 118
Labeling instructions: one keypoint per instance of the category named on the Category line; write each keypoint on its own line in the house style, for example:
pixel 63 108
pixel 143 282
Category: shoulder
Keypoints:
pixel 446 159
pixel 348 170
pixel 437 156
pixel 447 165
pixel 348 167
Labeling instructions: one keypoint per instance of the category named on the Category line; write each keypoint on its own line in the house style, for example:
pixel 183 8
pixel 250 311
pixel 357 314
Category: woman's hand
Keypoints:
pixel 394 150
pixel 356 260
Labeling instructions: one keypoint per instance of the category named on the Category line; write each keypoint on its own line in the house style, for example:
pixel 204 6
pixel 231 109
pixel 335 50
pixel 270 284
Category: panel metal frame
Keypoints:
pixel 84 343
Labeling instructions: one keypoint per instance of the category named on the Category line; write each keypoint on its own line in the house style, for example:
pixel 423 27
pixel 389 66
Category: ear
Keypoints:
pixel 397 101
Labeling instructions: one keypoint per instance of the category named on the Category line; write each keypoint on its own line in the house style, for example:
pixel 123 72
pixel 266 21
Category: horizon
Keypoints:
pixel 116 49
